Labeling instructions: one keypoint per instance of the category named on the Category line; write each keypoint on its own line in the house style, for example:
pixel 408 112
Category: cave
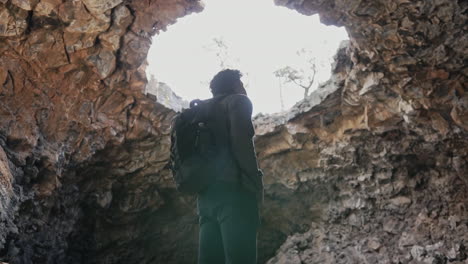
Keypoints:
pixel 371 168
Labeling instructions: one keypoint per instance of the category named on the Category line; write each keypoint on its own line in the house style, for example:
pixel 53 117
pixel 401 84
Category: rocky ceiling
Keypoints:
pixel 372 168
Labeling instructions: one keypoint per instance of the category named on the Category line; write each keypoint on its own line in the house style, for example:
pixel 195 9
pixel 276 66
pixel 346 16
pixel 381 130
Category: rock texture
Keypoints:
pixel 371 168
pixel 165 96
pixel 81 146
pixel 388 150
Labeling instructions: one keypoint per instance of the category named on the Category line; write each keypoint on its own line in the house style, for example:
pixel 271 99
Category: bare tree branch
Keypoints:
pixel 304 77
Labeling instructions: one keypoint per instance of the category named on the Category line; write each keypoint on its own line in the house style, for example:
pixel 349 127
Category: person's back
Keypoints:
pixel 228 208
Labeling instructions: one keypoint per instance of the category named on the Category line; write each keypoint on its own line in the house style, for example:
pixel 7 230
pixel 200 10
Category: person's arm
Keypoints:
pixel 241 133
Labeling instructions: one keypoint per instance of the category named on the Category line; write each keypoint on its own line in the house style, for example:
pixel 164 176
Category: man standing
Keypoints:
pixel 228 208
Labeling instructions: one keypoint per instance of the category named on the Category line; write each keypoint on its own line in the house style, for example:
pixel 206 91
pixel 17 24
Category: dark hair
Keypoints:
pixel 225 82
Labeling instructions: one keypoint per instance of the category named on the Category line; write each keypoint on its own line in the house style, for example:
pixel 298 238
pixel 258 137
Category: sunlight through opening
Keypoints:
pixel 277 49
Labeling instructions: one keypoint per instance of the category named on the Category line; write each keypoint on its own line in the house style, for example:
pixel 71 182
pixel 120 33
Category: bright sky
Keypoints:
pixel 260 38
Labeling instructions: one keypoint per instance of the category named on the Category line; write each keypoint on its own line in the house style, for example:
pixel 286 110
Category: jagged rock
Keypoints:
pixel 79 20
pixel 90 25
pixel 57 114
pixel 165 96
pixel 122 18
pixel 46 48
pixel 83 27
pixel 155 16
pixel 12 21
pixel 25 4
pixel 78 41
pixel 47 8
pixel 100 7
pixel 104 62
pixel 132 53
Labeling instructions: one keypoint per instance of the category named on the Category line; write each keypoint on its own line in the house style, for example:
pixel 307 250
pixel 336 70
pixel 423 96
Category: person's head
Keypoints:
pixel 227 82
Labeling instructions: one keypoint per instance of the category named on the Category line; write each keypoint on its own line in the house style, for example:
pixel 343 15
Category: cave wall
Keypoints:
pixel 388 149
pixel 72 79
pixel 372 168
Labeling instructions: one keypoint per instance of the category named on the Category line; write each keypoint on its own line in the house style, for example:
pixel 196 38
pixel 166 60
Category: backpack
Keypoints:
pixel 195 159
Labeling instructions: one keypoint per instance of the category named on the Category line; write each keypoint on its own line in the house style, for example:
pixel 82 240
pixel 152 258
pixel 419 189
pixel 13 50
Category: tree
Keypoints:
pixel 280 85
pixel 303 76
pixel 221 51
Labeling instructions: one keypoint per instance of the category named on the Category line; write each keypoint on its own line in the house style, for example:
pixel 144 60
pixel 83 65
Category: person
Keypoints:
pixel 229 208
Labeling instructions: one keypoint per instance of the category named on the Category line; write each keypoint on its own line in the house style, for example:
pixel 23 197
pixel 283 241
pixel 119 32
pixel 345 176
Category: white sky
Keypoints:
pixel 261 38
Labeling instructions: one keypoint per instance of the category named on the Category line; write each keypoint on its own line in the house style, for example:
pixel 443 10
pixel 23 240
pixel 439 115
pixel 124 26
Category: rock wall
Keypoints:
pixel 164 95
pixel 388 149
pixel 372 168
pixel 81 146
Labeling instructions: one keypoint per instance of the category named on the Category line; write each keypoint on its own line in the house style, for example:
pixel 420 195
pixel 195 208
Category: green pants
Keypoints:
pixel 228 225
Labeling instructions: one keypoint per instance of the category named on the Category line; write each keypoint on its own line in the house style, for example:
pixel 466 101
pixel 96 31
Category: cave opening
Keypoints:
pixel 260 39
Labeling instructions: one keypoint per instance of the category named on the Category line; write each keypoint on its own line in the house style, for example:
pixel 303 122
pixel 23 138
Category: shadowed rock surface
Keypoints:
pixel 371 168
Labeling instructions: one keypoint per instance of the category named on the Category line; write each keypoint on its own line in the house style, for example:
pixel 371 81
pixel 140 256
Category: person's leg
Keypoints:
pixel 210 250
pixel 239 222
pixel 240 242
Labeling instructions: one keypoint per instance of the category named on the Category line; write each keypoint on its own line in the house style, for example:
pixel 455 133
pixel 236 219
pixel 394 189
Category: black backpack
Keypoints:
pixel 194 159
